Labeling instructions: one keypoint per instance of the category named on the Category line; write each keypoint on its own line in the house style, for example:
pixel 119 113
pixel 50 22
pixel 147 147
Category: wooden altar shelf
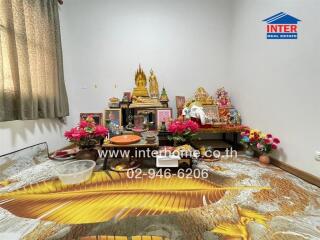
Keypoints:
pixel 224 129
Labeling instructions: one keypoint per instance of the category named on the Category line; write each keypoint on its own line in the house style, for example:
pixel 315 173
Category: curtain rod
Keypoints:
pixel 60 2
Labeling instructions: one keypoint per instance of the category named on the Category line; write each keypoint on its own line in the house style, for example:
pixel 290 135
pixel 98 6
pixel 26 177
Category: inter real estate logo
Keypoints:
pixel 282 26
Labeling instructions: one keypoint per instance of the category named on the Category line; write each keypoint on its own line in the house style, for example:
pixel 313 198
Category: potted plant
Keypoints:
pixel 182 131
pixel 87 135
pixel 266 144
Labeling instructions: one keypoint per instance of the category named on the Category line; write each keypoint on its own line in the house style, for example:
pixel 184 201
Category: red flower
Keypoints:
pixel 75 134
pixel 191 125
pixel 247 132
pixel 179 127
pixel 276 140
pixel 269 135
pixel 267 141
pixel 172 128
pixel 274 146
pixel 100 131
pixel 83 124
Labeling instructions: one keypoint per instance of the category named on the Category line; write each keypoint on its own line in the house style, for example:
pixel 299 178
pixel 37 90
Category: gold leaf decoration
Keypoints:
pixel 123 238
pixel 109 195
pixel 240 229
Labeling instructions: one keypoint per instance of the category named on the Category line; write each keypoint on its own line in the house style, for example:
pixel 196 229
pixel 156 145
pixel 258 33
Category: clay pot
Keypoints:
pixel 264 159
pixel 87 154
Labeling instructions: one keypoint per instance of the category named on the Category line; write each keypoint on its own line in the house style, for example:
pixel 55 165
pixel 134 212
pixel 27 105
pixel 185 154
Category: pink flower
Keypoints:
pixel 68 134
pixel 259 146
pixel 274 146
pixel 267 141
pixel 269 135
pixel 276 140
pixel 83 124
pixel 100 131
pixel 191 125
pixel 172 128
pixel 181 128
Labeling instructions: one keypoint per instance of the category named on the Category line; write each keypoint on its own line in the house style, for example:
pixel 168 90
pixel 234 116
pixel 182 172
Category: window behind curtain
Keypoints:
pixel 31 68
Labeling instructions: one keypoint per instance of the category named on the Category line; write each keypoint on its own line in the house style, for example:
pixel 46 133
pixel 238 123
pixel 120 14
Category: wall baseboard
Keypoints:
pixel 297 172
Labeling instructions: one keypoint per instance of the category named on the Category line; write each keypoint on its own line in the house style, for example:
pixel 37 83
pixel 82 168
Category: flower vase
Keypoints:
pixel 87 153
pixel 249 152
pixel 264 159
pixel 175 143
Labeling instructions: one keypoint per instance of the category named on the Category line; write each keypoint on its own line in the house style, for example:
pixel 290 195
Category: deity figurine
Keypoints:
pixel 223 98
pixel 141 82
pixel 203 97
pixel 234 117
pixel 153 85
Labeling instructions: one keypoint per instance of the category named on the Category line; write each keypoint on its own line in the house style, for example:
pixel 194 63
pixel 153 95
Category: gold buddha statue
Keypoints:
pixel 141 82
pixel 203 97
pixel 153 85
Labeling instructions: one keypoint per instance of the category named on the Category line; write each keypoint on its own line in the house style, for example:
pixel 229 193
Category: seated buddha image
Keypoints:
pixel 141 84
pixel 203 97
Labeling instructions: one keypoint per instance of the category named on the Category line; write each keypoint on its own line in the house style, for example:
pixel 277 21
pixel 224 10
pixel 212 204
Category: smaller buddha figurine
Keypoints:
pixel 141 82
pixel 153 85
pixel 223 98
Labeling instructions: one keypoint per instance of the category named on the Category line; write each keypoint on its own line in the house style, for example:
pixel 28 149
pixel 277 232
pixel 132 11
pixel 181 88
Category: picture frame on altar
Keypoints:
pixel 180 102
pixel 127 96
pixel 138 121
pixel 97 117
pixel 212 112
pixel 114 116
pixel 164 115
pixel 150 117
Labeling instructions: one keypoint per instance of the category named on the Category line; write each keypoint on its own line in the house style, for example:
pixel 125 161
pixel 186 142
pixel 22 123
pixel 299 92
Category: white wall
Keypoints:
pixel 275 83
pixel 15 135
pixel 103 43
pixel 105 40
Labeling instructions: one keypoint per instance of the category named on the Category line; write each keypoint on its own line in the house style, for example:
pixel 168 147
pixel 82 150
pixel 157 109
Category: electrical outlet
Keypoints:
pixel 317 155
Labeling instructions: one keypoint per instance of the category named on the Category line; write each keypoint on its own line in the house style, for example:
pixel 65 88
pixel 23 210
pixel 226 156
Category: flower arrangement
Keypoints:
pixel 264 143
pixel 87 133
pixel 267 143
pixel 250 137
pixel 182 131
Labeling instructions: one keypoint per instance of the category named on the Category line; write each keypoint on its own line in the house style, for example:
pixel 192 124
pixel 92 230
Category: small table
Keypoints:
pixel 224 130
pixel 142 145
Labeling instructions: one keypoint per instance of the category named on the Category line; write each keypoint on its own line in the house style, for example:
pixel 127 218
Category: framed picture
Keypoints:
pixel 163 115
pixel 139 121
pixel 96 116
pixel 113 116
pixel 212 113
pixel 180 101
pixel 127 95
pixel 150 117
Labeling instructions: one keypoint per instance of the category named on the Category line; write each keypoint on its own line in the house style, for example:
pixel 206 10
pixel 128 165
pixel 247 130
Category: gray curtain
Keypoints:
pixel 31 68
